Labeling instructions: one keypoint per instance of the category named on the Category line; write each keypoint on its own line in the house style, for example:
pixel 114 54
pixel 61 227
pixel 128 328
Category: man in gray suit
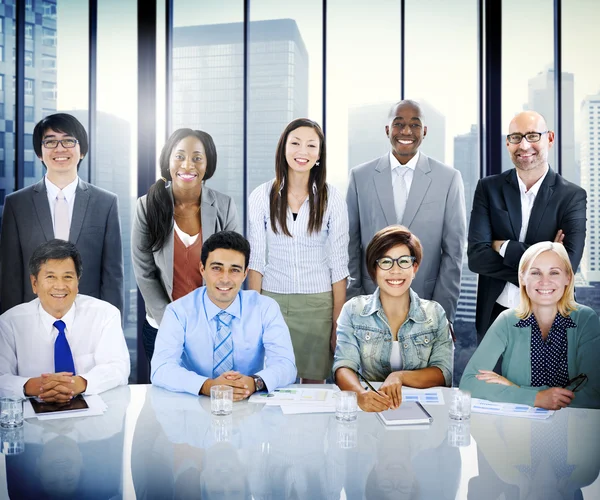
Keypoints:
pixel 63 206
pixel 406 187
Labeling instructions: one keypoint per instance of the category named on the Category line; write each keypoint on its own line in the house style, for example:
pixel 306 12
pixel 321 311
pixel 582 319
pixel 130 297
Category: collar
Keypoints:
pixel 48 320
pixel 561 321
pixel 412 163
pixel 536 187
pixel 68 191
pixel 211 309
pixel 314 187
pixel 415 312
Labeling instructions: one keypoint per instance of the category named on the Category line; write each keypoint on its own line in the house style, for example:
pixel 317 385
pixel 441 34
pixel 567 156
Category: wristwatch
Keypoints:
pixel 259 383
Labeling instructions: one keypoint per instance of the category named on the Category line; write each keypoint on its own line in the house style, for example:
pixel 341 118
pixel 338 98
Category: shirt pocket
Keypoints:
pixel 370 341
pixel 423 343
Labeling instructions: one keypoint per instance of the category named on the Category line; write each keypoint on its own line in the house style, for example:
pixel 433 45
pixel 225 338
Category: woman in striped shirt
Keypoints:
pixel 298 232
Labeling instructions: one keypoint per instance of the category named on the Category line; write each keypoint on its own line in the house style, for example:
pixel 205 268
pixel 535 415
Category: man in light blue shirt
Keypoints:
pixel 220 335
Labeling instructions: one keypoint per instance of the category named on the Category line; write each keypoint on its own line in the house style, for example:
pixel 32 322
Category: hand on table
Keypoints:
pixel 492 377
pixel 55 387
pixel 371 401
pixel 392 387
pixel 243 386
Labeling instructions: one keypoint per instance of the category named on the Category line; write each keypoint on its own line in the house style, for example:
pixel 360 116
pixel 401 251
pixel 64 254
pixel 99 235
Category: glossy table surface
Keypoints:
pixel 154 444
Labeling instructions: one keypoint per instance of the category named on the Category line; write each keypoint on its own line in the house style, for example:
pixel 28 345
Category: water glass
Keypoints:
pixel 459 433
pixel 221 400
pixel 346 407
pixel 460 404
pixel 12 441
pixel 11 412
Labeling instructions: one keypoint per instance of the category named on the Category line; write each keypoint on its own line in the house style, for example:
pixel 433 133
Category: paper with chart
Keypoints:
pixel 295 396
pixel 433 396
pixel 509 409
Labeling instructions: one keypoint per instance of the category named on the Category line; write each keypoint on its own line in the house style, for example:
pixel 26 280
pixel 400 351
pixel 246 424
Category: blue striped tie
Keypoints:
pixel 63 359
pixel 223 352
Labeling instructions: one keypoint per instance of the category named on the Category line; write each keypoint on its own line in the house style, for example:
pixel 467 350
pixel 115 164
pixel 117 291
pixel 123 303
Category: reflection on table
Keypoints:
pixel 179 450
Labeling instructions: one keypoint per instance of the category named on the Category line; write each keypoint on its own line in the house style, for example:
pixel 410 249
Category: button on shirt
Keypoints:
pixel 183 353
pixel 93 329
pixel 510 296
pixel 69 192
pixel 306 262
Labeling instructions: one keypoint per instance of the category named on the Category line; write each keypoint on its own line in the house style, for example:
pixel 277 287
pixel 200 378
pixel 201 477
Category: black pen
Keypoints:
pixel 368 384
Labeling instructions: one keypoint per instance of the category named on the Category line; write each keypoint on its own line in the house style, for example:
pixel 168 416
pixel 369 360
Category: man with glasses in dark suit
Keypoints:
pixel 515 209
pixel 63 206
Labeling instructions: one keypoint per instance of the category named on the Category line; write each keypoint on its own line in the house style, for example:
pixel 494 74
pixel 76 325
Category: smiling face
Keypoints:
pixel 302 149
pixel 60 161
pixel 187 163
pixel 223 275
pixel 530 156
pixel 406 131
pixel 546 279
pixel 396 281
pixel 56 285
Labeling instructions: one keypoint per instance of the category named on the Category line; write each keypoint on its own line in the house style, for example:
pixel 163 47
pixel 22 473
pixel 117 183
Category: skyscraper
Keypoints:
pixel 466 161
pixel 541 99
pixel 367 139
pixel 590 177
pixel 208 79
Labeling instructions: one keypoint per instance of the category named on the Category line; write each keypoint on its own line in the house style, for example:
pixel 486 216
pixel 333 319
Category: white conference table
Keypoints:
pixel 151 443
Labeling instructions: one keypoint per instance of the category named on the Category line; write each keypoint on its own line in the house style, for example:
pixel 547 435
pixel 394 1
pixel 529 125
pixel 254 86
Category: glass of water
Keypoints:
pixel 221 400
pixel 346 406
pixel 11 412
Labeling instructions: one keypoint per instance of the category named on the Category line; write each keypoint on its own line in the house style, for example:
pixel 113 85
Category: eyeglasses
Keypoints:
pixel 66 143
pixel 529 137
pixel 386 263
pixel 576 382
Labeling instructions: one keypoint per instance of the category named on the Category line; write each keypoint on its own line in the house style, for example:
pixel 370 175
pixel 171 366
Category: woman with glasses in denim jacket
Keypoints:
pixel 392 336
pixel 550 345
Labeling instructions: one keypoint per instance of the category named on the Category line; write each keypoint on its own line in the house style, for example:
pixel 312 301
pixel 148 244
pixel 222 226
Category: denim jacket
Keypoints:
pixel 364 339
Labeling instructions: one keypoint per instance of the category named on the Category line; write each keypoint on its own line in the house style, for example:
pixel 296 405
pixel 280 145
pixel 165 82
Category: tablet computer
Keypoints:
pixel 78 403
pixel 409 413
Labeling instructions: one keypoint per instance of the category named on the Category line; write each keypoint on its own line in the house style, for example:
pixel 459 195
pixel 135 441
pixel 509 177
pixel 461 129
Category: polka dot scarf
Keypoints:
pixel 549 363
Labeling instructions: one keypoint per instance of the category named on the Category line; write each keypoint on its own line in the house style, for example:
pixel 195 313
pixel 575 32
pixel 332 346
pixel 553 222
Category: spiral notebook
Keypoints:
pixel 409 413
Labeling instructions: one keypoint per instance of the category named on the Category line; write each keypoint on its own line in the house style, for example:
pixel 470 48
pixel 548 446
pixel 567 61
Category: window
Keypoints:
pixel 1 83
pixel 2 140
pixel 29 114
pixel 49 9
pixel 29 58
pixel 28 86
pixel 48 62
pixel 1 24
pixel 29 31
pixel 29 5
pixel 49 91
pixel 1 111
pixel 1 52
pixel 48 37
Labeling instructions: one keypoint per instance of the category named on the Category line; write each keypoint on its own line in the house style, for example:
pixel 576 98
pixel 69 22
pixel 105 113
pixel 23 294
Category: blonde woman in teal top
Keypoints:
pixel 550 345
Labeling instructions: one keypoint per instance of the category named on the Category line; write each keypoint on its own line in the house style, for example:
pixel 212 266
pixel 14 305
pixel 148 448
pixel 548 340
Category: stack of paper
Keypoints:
pixel 96 406
pixel 509 409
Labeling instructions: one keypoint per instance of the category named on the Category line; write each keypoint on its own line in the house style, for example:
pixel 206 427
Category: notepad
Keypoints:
pixel 409 413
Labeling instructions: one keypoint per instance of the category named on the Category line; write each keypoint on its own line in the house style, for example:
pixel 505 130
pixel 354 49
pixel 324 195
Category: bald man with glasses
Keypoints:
pixel 515 209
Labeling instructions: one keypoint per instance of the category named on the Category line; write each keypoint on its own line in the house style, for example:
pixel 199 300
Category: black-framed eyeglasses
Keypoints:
pixel 404 261
pixel 529 137
pixel 576 383
pixel 66 143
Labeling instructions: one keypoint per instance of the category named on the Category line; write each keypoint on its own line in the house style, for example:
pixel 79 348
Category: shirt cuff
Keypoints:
pixel 503 248
pixel 339 274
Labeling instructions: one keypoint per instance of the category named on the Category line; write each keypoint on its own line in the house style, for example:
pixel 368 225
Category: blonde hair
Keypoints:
pixel 567 303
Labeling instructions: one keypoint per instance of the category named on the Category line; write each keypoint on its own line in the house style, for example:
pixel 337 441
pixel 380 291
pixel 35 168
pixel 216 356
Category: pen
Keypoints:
pixel 368 384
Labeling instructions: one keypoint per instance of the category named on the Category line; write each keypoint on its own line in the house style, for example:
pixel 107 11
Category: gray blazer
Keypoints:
pixel 95 231
pixel 435 212
pixel 154 270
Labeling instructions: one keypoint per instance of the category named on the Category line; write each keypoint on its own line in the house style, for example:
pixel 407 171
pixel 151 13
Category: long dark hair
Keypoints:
pixel 317 202
pixel 159 211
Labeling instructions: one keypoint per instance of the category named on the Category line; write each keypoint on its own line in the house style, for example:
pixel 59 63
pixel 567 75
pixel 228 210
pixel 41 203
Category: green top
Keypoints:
pixel 514 344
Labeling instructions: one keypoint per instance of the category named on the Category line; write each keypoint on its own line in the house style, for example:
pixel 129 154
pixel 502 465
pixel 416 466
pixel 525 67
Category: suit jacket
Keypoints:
pixel 154 270
pixel 496 215
pixel 435 212
pixel 95 231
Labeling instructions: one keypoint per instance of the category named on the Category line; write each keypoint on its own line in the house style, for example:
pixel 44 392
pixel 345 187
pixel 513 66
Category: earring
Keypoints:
pixel 318 163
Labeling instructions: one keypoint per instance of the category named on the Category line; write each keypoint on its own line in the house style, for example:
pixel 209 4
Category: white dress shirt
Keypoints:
pixel 511 295
pixel 93 329
pixel 304 263
pixel 411 165
pixel 69 192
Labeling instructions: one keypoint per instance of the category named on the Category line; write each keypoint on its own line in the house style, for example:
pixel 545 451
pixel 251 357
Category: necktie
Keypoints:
pixel 400 192
pixel 61 217
pixel 63 359
pixel 223 351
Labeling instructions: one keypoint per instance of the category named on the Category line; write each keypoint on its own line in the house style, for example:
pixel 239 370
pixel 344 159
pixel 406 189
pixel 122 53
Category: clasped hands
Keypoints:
pixel 243 386
pixel 388 396
pixel 58 387
pixel 553 398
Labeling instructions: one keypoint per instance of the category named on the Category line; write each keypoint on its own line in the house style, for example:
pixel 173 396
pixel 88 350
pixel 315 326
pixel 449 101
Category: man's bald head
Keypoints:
pixel 528 143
